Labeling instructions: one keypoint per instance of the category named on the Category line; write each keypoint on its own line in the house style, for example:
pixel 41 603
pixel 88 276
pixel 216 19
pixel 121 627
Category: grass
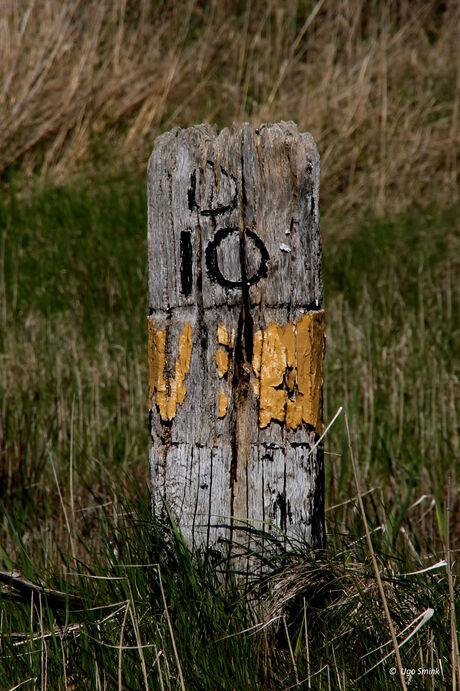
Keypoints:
pixel 94 592
pixel 393 342
pixel 377 84
pixel 73 362
pixel 73 444
pixel 146 611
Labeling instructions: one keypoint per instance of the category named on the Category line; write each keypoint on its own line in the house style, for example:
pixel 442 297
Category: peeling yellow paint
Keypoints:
pixel 223 404
pixel 168 393
pixel 287 364
pixel 222 336
pixel 288 368
pixel 221 362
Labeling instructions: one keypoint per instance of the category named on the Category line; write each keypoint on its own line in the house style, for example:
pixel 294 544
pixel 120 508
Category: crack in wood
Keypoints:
pixel 186 262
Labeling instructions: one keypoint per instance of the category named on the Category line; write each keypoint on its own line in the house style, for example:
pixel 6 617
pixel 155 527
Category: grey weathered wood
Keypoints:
pixel 244 203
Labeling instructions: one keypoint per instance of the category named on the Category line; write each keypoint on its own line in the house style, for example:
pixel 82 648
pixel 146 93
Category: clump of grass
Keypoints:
pixel 142 611
pixel 85 83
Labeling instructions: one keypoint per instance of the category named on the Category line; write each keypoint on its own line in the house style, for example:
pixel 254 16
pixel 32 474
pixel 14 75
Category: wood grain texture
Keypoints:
pixel 236 331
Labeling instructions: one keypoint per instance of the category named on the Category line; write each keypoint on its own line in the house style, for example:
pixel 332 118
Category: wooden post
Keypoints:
pixel 236 331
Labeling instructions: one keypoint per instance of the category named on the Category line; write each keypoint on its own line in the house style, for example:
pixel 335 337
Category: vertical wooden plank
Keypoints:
pixel 236 330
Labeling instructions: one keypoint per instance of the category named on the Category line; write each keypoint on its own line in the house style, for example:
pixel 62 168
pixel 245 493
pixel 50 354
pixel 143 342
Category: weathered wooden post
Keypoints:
pixel 236 331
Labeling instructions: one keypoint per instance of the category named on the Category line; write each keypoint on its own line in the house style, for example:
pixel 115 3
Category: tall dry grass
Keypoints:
pixel 72 424
pixel 377 83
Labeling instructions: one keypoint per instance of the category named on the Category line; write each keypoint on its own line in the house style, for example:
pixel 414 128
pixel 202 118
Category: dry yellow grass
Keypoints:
pixel 85 82
pixel 72 433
